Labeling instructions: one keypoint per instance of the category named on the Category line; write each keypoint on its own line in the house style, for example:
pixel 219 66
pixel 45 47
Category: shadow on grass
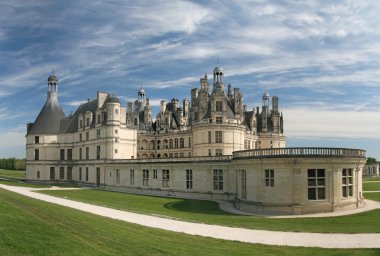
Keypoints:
pixel 196 206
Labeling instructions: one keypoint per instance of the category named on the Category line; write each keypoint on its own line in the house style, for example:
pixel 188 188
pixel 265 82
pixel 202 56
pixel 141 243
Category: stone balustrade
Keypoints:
pixel 299 152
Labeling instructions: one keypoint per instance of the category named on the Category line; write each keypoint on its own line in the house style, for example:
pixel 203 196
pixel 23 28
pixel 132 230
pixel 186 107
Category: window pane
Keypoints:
pixel 311 182
pixel 321 173
pixel 321 182
pixel 311 173
pixel 321 193
pixel 311 194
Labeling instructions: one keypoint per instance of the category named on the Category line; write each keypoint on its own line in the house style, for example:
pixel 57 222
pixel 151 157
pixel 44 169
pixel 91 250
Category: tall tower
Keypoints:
pixel 265 111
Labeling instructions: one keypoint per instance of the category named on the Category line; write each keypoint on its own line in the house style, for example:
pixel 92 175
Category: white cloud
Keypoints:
pixel 310 122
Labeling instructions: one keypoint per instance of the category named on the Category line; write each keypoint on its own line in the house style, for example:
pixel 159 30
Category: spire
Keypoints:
pixel 265 98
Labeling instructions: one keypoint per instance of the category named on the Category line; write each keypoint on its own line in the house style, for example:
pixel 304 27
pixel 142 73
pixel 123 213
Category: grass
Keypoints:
pixel 372 196
pixel 12 174
pixel 32 227
pixel 209 212
pixel 371 179
pixel 374 186
pixel 23 184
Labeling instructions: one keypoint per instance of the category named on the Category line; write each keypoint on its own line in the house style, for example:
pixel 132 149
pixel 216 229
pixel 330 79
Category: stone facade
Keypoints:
pixel 210 148
pixel 372 170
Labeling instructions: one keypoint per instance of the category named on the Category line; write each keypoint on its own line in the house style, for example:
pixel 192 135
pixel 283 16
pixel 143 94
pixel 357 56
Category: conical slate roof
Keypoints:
pixel 49 119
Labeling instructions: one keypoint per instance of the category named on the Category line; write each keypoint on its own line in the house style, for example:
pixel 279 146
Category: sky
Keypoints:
pixel 321 58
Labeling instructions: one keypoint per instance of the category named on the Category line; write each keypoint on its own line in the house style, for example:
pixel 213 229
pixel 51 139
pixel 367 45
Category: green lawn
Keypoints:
pixel 32 227
pixel 23 184
pixel 209 212
pixel 372 196
pixel 12 174
pixel 371 179
pixel 373 186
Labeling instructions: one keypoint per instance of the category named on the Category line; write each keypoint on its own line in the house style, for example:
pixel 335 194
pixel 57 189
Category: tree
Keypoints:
pixel 371 160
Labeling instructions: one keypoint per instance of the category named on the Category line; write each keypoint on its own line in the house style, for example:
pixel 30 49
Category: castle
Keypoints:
pixel 211 147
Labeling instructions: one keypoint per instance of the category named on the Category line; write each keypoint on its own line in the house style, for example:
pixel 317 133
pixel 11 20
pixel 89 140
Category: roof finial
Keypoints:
pixel 53 71
pixel 218 60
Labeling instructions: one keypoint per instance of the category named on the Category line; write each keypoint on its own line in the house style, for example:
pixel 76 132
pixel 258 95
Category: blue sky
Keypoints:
pixel 322 59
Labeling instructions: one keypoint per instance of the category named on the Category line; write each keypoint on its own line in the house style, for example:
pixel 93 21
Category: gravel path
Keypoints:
pixel 214 231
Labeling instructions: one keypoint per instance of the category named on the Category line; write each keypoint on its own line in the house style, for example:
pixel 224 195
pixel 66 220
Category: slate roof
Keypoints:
pixel 49 119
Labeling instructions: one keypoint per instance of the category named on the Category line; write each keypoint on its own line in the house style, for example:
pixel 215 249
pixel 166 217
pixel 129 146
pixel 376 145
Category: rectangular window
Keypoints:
pixel 189 179
pixel 116 111
pixel 98 134
pixel 154 174
pixel 316 184
pixel 52 173
pixel 80 123
pixel 61 173
pixel 117 176
pixel 36 139
pixel 269 178
pixel 87 135
pixel 218 137
pixel 98 119
pixel 36 154
pixel 97 152
pixel 219 120
pixel 38 174
pixel 87 121
pixel 69 173
pixel 80 153
pixel 165 178
pixel 218 152
pixel 116 131
pixel 135 121
pixel 209 152
pixel 209 137
pixel 218 179
pixel 86 173
pixel 145 177
pixel 80 137
pixel 347 183
pixel 87 153
pixel 243 184
pixel 69 154
pixel 219 106
pixel 62 154
pixel 131 177
pixel 80 173
pixel 175 143
pixel 181 142
pixel 189 142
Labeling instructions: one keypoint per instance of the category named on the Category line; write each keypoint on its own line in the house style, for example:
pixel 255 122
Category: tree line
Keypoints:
pixel 12 163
